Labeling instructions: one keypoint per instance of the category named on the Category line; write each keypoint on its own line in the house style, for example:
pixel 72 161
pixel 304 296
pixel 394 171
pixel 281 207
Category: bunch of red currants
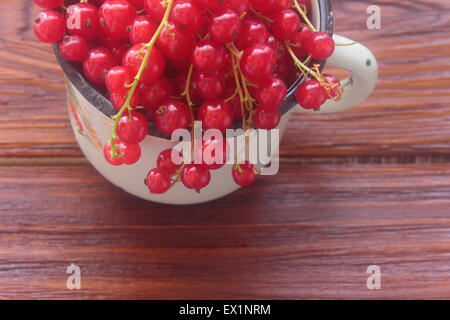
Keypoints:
pixel 171 62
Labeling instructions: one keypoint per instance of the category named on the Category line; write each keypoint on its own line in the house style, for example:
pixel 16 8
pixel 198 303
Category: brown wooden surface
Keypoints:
pixel 366 187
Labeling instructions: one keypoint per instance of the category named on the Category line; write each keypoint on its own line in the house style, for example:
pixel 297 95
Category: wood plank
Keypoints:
pixel 313 241
pixel 406 120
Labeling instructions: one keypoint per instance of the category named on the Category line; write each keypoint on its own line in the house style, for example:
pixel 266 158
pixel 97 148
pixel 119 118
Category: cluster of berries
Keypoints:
pixel 168 63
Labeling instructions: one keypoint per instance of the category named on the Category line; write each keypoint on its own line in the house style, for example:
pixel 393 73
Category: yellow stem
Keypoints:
pixel 304 16
pixel 126 106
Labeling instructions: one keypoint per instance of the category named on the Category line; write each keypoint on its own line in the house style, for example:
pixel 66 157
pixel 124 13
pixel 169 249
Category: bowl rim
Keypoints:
pixel 101 102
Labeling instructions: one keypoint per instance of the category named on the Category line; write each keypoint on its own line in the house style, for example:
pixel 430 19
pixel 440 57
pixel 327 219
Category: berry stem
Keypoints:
pixel 187 90
pixel 304 16
pixel 303 67
pixel 149 46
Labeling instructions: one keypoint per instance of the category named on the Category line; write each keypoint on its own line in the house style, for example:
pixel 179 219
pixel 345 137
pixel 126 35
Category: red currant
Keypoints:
pixel 82 19
pixel 267 120
pixel 208 55
pixel 263 5
pixel 172 115
pixel 310 94
pixel 188 15
pixel 109 158
pixel 158 181
pixel 154 9
pixel 49 4
pixel 282 5
pixel 238 6
pixel 73 48
pixel 116 18
pixel 166 158
pixel 154 69
pixel 152 96
pixel 209 4
pixel 298 40
pixel 118 99
pixel 320 45
pixel 131 153
pixel 215 153
pixel 176 44
pixel 252 31
pixel 142 30
pixel 216 114
pixel 133 127
pixel 138 4
pixel 49 26
pixel 117 79
pixel 209 85
pixel 285 24
pixel 257 63
pixel 224 26
pixel 270 95
pixel 244 174
pixel 97 64
pixel 195 176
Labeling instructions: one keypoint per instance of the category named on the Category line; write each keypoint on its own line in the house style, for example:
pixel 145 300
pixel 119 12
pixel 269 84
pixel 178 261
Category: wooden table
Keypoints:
pixel 366 187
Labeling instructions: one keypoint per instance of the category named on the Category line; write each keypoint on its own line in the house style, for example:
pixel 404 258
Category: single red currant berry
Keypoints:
pixel 267 120
pixel 131 153
pixel 138 4
pixel 298 40
pixel 73 48
pixel 49 26
pixel 166 161
pixel 116 18
pixel 172 115
pixel 49 4
pixel 152 96
pixel 82 19
pixel 252 31
pixel 320 45
pixel 270 94
pixel 117 79
pixel 133 127
pixel 282 5
pixel 244 174
pixel 118 99
pixel 187 15
pixel 154 9
pixel 176 44
pixel 158 181
pixel 257 63
pixel 115 161
pixel 310 94
pixel 336 91
pixel 142 30
pixel 263 5
pixel 133 60
pixel 208 55
pixel 216 114
pixel 195 176
pixel 209 85
pixel 209 4
pixel 224 26
pixel 215 153
pixel 238 6
pixel 97 64
pixel 285 24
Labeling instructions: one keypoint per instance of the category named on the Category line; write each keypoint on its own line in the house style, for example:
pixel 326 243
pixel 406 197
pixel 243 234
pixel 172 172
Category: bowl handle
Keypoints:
pixel 363 66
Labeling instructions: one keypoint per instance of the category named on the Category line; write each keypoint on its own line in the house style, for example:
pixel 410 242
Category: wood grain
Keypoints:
pixel 366 187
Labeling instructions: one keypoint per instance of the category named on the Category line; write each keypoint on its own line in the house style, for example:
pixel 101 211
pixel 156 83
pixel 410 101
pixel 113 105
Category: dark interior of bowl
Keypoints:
pixel 98 98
